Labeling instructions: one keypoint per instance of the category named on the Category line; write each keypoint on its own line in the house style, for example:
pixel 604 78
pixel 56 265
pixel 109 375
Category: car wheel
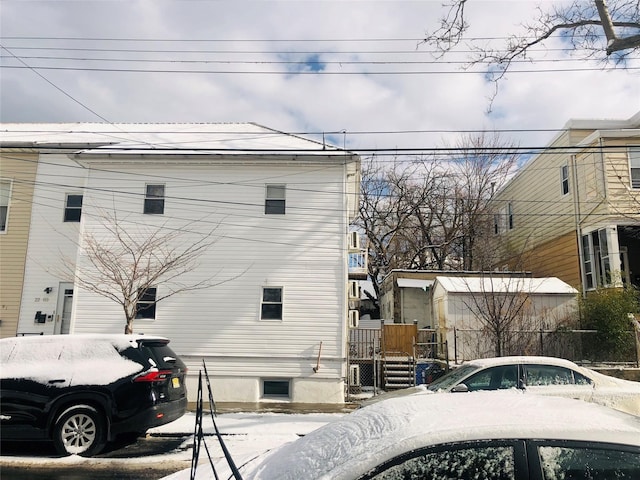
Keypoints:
pixel 80 430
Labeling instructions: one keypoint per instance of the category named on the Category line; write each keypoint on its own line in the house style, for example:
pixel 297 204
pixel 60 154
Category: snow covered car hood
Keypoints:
pixel 348 447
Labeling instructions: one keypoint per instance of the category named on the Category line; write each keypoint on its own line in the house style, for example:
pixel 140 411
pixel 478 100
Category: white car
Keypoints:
pixel 542 376
pixel 488 435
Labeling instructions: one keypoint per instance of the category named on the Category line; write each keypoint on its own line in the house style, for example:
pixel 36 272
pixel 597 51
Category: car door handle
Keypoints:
pixel 59 380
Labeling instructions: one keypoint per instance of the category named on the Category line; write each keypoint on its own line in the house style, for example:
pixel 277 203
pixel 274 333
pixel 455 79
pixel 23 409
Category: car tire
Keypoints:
pixel 80 430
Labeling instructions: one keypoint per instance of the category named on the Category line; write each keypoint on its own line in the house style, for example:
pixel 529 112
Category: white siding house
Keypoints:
pixel 535 304
pixel 277 208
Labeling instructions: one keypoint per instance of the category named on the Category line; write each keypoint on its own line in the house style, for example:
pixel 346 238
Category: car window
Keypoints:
pixel 539 375
pixel 495 378
pixel 565 463
pixel 486 462
pixel 452 378
pixel 160 355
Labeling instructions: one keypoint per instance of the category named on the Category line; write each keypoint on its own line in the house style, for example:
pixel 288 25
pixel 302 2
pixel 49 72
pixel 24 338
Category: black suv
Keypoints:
pixel 81 391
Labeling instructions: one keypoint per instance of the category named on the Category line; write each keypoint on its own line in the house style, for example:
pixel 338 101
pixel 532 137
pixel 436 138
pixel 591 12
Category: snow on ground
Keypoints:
pixel 245 435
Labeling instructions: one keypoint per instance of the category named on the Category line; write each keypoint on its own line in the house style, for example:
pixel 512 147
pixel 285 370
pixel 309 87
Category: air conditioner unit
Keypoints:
pixel 354 318
pixel 354 290
pixel 354 241
pixel 354 375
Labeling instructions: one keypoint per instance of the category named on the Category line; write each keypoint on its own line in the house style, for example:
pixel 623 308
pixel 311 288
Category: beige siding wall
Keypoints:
pixel 545 221
pixel 556 258
pixel 540 211
pixel 20 169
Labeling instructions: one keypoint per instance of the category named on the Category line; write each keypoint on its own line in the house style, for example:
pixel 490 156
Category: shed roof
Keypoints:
pixel 506 284
pixel 414 283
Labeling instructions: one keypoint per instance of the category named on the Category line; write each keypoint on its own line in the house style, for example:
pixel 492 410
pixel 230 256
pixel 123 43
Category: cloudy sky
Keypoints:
pixel 352 66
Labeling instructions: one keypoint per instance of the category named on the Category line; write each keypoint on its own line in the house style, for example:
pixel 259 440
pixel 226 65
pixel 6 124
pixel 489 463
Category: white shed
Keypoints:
pixel 469 310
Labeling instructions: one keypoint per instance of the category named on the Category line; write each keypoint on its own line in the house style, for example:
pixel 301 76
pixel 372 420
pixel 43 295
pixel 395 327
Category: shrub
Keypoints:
pixel 607 311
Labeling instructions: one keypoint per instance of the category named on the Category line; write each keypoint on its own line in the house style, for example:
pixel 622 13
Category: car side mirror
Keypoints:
pixel 461 387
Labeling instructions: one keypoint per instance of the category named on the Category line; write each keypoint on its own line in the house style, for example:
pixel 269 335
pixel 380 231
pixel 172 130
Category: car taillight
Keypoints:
pixel 153 376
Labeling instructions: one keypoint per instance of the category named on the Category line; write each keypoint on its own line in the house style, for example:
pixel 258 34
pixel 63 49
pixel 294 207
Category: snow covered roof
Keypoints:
pixel 132 138
pixel 506 284
pixel 414 283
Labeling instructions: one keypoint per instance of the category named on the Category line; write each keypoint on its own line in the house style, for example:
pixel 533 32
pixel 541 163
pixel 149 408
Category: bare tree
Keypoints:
pixel 501 304
pixel 426 213
pixel 580 22
pixel 125 261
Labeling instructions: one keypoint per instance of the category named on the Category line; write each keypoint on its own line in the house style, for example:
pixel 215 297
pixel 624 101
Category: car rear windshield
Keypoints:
pixel 161 354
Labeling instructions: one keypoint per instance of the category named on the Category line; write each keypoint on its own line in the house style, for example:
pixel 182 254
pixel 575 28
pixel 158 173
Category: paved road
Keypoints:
pixel 94 469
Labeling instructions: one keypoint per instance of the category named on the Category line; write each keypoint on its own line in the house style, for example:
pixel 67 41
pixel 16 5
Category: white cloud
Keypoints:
pixel 271 30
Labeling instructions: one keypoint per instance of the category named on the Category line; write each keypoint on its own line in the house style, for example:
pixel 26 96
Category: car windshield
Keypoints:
pixel 452 378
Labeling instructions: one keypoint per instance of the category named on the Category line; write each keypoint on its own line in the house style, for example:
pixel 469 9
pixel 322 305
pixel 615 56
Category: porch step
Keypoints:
pixel 399 372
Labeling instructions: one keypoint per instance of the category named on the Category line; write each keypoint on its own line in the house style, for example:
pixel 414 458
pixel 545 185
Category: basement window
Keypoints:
pixel 276 388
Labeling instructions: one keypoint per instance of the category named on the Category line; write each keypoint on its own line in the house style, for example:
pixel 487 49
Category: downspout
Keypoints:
pixel 577 219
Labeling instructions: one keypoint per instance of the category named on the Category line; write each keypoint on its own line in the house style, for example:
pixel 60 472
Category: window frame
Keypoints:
pixel 520 463
pixel 4 223
pixel 275 204
pixel 153 200
pixel 535 456
pixel 275 382
pixel 147 312
pixel 69 209
pixel 564 180
pixel 269 303
pixel 633 155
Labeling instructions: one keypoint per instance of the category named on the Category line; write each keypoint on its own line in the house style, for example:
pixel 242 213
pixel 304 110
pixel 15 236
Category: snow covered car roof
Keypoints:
pixel 491 362
pixel 358 442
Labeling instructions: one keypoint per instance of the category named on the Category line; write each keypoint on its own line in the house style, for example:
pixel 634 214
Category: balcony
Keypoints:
pixel 358 265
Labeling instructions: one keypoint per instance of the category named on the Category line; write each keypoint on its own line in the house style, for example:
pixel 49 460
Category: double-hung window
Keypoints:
pixel 5 194
pixel 146 304
pixel 271 307
pixel 634 166
pixel 73 208
pixel 564 174
pixel 154 199
pixel 275 200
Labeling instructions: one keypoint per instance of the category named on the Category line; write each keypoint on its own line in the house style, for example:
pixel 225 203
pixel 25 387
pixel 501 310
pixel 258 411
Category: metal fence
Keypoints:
pixel 366 359
pixel 577 345
pixel 366 356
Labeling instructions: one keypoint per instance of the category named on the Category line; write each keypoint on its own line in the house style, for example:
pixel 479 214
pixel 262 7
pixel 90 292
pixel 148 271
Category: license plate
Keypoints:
pixel 175 382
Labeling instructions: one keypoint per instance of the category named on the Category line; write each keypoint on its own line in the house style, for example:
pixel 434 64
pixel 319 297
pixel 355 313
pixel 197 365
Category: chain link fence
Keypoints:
pixel 429 357
pixel 580 346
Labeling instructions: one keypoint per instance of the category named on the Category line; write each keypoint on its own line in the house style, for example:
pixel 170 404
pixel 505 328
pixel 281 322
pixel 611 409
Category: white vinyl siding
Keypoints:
pixel 303 251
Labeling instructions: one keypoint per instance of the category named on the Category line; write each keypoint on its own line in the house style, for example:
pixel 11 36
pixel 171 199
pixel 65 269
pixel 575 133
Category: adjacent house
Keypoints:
pixel 17 181
pixel 573 210
pixel 274 209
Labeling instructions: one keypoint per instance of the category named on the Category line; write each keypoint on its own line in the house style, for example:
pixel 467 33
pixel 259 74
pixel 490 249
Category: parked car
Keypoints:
pixel 542 376
pixel 488 435
pixel 81 391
